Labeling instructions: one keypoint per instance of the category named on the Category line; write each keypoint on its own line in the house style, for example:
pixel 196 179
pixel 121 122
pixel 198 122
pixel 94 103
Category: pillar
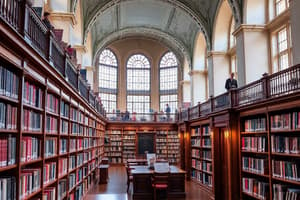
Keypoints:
pixel 252 49
pixel 198 86
pixel 218 72
pixel 295 26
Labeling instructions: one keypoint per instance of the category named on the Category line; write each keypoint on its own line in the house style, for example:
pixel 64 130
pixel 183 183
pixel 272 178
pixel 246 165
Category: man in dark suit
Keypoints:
pixel 231 82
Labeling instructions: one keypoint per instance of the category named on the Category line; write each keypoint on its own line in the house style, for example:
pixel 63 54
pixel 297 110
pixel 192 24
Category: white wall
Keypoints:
pixel 255 11
pixel 59 5
pixel 256 55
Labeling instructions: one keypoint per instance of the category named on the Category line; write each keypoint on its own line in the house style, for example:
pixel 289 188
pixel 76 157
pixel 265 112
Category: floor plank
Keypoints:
pixel 116 187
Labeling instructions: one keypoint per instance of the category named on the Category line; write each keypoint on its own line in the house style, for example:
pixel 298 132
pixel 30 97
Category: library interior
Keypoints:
pixel 149 99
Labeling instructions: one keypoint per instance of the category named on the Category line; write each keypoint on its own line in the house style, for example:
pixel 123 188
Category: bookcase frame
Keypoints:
pixel 268 111
pixel 141 128
pixel 200 125
pixel 41 78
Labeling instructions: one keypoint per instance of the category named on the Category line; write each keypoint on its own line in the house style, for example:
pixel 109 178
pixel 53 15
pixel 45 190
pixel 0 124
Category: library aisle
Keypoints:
pixel 115 189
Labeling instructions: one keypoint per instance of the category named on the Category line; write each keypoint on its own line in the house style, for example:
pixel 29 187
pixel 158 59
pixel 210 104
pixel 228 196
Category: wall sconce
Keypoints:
pixel 226 134
pixel 185 135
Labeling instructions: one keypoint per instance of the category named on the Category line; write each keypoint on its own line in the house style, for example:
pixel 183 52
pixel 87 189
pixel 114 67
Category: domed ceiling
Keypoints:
pixel 174 22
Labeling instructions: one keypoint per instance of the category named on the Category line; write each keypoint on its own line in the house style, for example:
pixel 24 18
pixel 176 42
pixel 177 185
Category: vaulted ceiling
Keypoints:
pixel 173 21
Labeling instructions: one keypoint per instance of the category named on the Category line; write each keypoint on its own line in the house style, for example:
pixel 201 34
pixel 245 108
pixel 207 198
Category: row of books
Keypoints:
pixel 9 83
pixel 30 149
pixel 72 180
pixel 285 144
pixel 286 170
pixel 281 122
pixel 32 121
pixel 206 142
pixel 49 172
pixel 62 189
pixel 255 125
pixel 8 116
pixel 256 165
pixel 32 95
pixel 64 127
pixel 72 143
pixel 196 153
pixel 30 181
pixel 72 162
pixel 49 193
pixel 202 178
pixel 51 125
pixel 8 188
pixel 50 147
pixel 206 155
pixel 64 109
pixel 205 166
pixel 195 131
pixel 285 192
pixel 254 144
pixel 8 150
pixel 62 166
pixel 255 188
pixel 52 103
pixel 63 146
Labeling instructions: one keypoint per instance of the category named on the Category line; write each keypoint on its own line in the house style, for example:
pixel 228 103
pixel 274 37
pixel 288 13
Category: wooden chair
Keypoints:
pixel 129 176
pixel 160 181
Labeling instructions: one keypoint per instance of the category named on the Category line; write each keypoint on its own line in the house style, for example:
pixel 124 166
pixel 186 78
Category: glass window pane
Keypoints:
pixel 109 101
pixel 108 75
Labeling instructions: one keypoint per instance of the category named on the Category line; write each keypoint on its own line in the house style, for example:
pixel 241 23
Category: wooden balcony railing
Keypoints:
pixel 57 57
pixel 221 102
pixel 253 92
pixel 23 19
pixel 285 82
pixel 269 86
pixel 83 89
pixel 194 112
pixel 35 32
pixel 9 11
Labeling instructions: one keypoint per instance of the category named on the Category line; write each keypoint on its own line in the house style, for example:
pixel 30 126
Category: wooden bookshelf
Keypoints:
pixel 36 133
pixel 122 145
pixel 278 146
pixel 201 156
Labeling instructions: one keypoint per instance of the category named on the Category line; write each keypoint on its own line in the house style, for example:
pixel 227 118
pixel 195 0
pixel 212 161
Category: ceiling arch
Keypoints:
pixel 174 12
pixel 179 19
pixel 174 45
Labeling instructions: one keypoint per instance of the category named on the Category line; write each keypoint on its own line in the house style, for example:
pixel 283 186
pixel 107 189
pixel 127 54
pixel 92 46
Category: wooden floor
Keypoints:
pixel 116 187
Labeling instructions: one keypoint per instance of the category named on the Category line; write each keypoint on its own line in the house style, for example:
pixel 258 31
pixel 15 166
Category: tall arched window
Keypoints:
pixel 108 79
pixel 168 81
pixel 138 84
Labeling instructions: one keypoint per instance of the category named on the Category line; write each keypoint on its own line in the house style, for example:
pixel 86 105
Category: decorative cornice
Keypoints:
pixel 279 20
pixel 89 68
pixel 200 72
pixel 64 16
pixel 216 53
pixel 249 28
pixel 81 48
pixel 184 82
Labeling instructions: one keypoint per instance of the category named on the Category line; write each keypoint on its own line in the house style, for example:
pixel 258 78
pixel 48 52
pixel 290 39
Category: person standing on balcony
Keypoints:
pixel 231 82
pixel 168 111
pixel 47 22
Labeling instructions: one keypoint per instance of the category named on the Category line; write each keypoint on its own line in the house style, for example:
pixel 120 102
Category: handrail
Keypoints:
pixel 269 86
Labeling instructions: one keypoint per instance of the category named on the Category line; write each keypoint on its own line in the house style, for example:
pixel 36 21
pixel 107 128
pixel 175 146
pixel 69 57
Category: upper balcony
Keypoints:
pixel 24 20
pixel 269 87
